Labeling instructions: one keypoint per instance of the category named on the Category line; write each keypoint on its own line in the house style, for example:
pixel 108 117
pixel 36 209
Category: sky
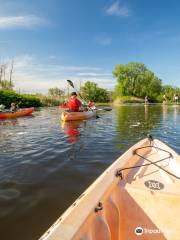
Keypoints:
pixel 82 40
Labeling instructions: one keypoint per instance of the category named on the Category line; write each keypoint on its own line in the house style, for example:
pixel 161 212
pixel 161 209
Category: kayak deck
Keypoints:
pixel 151 198
pixel 140 189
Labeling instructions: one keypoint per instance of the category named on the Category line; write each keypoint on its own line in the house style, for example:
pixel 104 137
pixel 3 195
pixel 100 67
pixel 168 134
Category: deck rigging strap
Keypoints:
pixel 151 162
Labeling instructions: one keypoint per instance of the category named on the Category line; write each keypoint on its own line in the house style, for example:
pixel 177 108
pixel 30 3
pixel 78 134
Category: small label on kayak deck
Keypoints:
pixel 154 185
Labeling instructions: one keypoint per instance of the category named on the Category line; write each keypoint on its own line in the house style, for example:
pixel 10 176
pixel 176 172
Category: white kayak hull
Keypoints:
pixel 140 189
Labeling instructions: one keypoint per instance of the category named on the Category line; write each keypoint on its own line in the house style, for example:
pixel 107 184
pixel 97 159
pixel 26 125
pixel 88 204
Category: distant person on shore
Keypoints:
pixel 146 100
pixel 176 98
pixel 74 104
pixel 164 99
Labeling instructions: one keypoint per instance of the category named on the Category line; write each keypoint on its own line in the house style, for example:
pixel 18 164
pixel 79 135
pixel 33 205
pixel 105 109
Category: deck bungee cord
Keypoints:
pixel 119 171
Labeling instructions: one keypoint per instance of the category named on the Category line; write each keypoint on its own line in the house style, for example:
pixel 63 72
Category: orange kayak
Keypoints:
pixel 137 197
pixel 20 113
pixel 71 116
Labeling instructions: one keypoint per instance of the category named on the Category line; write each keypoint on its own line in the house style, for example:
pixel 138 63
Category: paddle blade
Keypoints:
pixel 70 83
pixel 107 108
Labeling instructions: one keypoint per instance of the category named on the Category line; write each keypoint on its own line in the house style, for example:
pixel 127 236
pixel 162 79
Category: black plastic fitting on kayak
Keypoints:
pixel 150 137
pixel 119 174
pixel 99 207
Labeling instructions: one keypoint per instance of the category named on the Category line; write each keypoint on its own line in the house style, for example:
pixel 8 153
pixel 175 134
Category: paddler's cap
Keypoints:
pixel 73 94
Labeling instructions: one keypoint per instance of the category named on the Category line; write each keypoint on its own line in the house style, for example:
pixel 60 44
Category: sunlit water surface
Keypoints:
pixel 45 165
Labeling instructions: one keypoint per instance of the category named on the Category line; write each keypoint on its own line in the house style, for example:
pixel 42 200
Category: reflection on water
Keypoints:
pixel 146 110
pixel 176 112
pixel 45 164
pixel 135 122
pixel 8 122
pixel 165 111
pixel 71 129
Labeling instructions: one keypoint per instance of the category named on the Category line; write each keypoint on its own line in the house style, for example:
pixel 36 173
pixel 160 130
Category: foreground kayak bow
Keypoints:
pixel 137 197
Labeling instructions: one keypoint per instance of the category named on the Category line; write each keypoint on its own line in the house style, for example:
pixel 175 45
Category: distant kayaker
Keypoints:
pixel 91 105
pixel 74 104
pixel 13 107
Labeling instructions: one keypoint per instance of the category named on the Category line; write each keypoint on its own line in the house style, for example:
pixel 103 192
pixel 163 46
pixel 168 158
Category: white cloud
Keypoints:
pixel 32 76
pixel 103 40
pixel 26 21
pixel 117 10
pixel 93 74
pixel 52 57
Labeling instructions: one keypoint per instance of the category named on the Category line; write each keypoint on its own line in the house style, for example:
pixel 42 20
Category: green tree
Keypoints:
pixel 55 92
pixel 170 91
pixel 23 100
pixel 90 90
pixel 134 79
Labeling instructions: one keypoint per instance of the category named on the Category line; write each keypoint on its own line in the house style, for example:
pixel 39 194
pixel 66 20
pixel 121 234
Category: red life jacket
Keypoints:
pixel 74 104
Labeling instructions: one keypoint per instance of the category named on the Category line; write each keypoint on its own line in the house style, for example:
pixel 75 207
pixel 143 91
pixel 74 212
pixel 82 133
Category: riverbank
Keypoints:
pixel 127 99
pixel 40 100
pixel 27 100
pixel 130 99
pixel 23 100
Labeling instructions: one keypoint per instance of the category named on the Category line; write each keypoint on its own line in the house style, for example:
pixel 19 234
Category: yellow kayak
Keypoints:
pixel 137 197
pixel 71 116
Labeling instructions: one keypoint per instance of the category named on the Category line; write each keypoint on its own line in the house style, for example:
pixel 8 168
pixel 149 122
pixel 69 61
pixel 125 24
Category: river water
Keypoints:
pixel 45 165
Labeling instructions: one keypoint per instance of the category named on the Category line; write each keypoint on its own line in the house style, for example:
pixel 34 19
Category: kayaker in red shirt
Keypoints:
pixel 74 104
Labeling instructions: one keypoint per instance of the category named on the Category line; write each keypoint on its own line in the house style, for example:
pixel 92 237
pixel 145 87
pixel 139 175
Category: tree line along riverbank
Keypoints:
pixel 134 81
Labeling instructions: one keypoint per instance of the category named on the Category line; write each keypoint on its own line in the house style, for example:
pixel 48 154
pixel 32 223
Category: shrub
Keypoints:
pixel 26 100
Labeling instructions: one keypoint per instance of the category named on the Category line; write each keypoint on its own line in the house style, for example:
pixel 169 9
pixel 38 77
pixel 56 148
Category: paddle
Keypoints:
pixel 72 85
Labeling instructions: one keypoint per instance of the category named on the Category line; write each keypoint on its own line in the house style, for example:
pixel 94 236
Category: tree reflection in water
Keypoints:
pixel 136 121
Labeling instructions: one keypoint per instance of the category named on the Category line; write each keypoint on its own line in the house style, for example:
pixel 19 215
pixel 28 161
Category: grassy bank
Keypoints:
pixel 130 99
pixel 127 99
pixel 23 100
pixel 103 104
pixel 47 101
pixel 27 100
